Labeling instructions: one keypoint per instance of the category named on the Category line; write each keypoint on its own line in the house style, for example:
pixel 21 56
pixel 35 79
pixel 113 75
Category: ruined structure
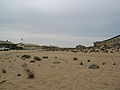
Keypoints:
pixel 8 44
pixel 29 46
pixel 115 41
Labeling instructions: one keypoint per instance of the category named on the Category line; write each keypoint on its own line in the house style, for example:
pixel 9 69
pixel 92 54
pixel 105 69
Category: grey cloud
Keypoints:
pixel 88 18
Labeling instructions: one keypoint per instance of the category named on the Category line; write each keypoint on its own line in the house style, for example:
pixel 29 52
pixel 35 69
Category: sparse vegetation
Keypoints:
pixel 18 74
pixel 56 62
pixel 30 73
pixel 45 57
pixel 75 58
pixel 94 66
pixel 32 61
pixel 2 81
pixel 103 63
pixel 114 63
pixel 81 63
pixel 4 71
pixel 89 60
pixel 55 57
pixel 37 58
pixel 26 56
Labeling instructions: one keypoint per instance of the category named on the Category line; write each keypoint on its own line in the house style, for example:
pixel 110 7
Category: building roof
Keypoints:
pixel 112 38
pixel 6 42
pixel 108 39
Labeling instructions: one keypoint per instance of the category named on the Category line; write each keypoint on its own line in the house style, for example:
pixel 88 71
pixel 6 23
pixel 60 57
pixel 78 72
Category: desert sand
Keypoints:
pixel 59 71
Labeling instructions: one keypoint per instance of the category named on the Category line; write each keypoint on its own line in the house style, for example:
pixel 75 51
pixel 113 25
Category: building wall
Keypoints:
pixel 109 42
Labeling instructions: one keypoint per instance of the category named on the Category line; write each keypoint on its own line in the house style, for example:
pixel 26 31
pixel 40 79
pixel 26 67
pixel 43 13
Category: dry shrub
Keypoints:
pixel 25 56
pixel 75 58
pixel 37 58
pixel 94 66
pixel 45 57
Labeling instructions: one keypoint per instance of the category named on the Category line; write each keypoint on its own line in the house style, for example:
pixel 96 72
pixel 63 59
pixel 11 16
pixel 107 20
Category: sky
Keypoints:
pixel 64 23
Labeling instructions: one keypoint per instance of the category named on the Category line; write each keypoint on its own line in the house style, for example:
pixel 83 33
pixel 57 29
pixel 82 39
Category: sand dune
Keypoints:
pixel 59 71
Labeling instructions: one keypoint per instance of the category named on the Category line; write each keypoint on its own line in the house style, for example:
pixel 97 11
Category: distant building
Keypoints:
pixel 7 44
pixel 109 42
pixel 50 48
pixel 29 46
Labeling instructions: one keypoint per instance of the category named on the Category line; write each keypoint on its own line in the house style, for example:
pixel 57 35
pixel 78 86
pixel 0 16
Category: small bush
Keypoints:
pixel 2 81
pixel 75 58
pixel 24 65
pixel 37 58
pixel 45 57
pixel 32 61
pixel 94 66
pixel 81 63
pixel 18 74
pixel 88 60
pixel 55 57
pixel 114 63
pixel 56 62
pixel 4 71
pixel 26 56
pixel 30 73
pixel 103 63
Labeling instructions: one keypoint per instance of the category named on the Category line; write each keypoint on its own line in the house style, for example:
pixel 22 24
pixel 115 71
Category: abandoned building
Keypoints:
pixel 115 41
pixel 8 44
pixel 29 46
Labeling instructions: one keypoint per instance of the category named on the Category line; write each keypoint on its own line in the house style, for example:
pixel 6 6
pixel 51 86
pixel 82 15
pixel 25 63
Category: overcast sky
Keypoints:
pixel 59 22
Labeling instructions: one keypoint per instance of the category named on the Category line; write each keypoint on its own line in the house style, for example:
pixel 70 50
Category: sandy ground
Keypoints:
pixel 65 75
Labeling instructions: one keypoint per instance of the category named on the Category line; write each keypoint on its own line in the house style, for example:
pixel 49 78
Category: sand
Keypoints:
pixel 59 71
